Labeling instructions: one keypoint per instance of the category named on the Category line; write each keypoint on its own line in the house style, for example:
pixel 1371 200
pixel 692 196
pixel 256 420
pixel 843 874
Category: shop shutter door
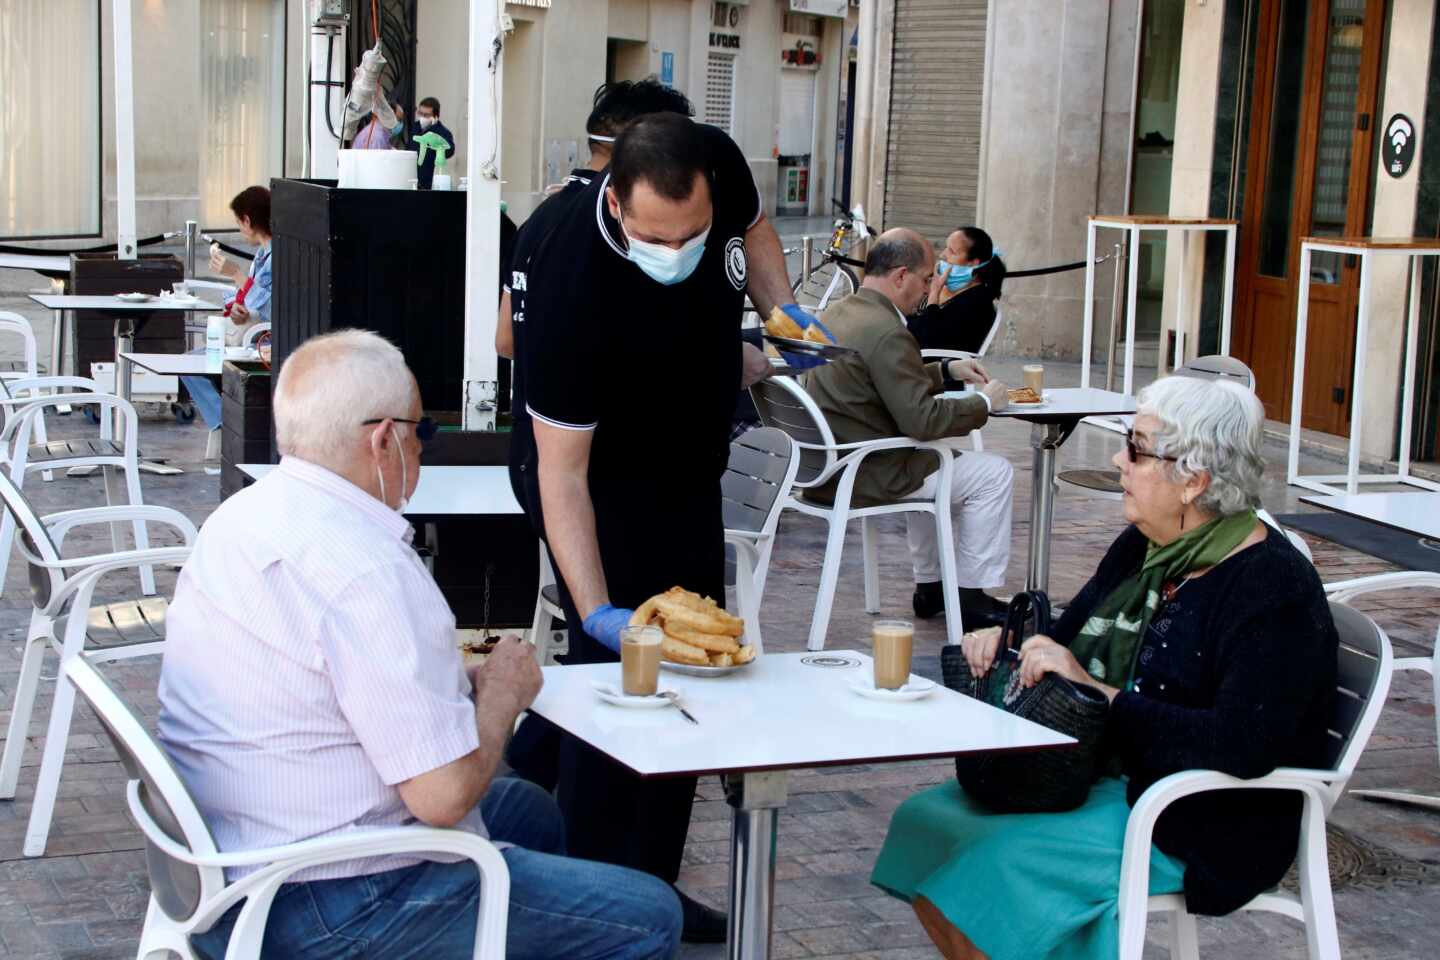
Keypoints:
pixel 720 91
pixel 797 111
pixel 936 90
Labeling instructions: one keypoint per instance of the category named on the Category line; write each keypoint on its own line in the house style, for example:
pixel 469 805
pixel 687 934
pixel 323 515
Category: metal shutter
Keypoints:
pixel 797 111
pixel 936 88
pixel 720 91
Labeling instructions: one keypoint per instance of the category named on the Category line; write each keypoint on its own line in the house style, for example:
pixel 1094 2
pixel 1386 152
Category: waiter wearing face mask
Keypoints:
pixel 621 457
pixel 427 120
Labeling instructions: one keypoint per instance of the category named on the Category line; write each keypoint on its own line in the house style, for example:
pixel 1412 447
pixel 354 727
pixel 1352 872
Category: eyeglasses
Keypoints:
pixel 1135 453
pixel 425 427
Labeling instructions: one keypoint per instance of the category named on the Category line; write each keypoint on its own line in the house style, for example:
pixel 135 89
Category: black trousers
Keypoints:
pixel 648 543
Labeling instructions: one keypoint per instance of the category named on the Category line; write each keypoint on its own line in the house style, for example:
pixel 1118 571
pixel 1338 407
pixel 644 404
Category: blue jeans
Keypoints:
pixel 559 907
pixel 206 399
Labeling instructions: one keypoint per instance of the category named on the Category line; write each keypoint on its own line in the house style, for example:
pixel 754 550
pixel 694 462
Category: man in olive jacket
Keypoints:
pixel 884 390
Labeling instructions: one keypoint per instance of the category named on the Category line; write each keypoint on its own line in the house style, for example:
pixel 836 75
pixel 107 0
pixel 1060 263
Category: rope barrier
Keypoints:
pixel 99 248
pixel 233 251
pixel 1061 268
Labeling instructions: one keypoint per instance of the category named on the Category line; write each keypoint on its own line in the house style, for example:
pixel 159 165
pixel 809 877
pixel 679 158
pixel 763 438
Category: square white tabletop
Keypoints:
pixel 1415 512
pixel 448 491
pixel 110 303
pixel 183 364
pixel 783 712
pixel 24 261
pixel 1065 403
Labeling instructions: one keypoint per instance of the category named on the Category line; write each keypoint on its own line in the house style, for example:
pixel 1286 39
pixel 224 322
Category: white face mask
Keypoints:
pixel 404 476
pixel 427 122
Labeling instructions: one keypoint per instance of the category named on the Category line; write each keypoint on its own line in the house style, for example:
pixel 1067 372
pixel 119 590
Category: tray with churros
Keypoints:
pixel 701 639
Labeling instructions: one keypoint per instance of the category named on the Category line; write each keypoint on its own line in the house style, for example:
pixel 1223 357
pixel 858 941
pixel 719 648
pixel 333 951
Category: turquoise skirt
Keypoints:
pixel 1019 885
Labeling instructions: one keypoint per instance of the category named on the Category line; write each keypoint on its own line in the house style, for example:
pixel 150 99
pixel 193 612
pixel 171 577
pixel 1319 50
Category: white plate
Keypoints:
pixel 916 688
pixel 1044 399
pixel 133 297
pixel 695 670
pixel 612 695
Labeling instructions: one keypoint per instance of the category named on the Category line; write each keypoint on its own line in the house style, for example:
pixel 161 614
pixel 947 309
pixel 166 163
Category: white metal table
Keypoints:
pixel 184 364
pixel 1416 513
pixel 1367 249
pixel 30 261
pixel 1134 225
pixel 787 711
pixel 64 304
pixel 473 491
pixel 1051 425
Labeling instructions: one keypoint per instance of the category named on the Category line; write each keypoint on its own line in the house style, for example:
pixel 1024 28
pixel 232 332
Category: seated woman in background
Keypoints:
pixel 1213 640
pixel 967 282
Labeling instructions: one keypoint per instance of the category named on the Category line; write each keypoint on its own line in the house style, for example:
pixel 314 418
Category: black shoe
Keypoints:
pixel 977 608
pixel 700 924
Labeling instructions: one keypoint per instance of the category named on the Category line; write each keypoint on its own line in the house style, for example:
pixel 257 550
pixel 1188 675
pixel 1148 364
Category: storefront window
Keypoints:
pixel 1155 146
pixel 242 71
pixel 1280 178
pixel 50 118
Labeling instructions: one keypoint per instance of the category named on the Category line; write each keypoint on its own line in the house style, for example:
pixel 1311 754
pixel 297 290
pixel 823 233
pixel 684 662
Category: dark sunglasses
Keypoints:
pixel 425 428
pixel 1135 453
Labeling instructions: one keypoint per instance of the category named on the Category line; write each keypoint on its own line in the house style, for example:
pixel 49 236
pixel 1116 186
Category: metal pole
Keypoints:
pixel 807 257
pixel 756 800
pixel 1119 258
pixel 1044 441
pixel 192 240
pixel 124 131
pixel 482 217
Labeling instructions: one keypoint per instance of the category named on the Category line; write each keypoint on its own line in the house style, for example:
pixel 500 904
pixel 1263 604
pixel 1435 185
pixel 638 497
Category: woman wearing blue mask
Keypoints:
pixel 961 306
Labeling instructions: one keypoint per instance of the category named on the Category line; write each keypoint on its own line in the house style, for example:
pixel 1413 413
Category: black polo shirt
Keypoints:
pixel 651 369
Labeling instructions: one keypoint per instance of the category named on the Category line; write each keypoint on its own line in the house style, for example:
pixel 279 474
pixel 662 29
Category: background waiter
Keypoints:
pixel 620 458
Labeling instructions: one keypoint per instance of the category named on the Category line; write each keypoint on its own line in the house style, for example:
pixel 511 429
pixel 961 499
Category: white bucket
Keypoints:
pixel 377 169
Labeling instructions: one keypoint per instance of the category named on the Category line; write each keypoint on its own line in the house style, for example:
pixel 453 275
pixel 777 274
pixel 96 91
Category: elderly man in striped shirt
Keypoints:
pixel 312 685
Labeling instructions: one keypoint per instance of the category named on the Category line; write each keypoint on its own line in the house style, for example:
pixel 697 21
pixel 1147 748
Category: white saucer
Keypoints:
pixel 1044 399
pixel 916 688
pixel 612 695
pixel 133 297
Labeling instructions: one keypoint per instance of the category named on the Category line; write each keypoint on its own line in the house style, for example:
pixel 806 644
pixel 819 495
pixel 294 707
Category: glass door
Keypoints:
pixel 1311 137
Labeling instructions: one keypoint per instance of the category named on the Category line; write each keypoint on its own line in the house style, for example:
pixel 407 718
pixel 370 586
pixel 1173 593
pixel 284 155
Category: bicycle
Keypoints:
pixel 834 277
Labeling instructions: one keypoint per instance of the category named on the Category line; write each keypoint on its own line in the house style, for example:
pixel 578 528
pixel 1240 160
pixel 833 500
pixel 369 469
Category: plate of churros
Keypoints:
pixel 782 331
pixel 1026 397
pixel 701 638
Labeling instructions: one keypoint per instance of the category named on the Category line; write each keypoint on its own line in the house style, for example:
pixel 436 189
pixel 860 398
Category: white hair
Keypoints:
pixel 330 386
pixel 1210 426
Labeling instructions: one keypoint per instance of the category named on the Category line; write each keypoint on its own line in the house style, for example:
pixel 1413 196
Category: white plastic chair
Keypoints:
pixel 757 481
pixel 188 891
pixel 1363 680
pixel 1344 591
pixel 1104 482
pixel 755 488
pixel 65 620
pixel 783 404
pixel 25 369
pixel 21 456
pixel 253 334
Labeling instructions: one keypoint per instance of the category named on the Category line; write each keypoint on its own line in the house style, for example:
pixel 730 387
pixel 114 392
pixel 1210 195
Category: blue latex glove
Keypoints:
pixel 606 623
pixel 805 319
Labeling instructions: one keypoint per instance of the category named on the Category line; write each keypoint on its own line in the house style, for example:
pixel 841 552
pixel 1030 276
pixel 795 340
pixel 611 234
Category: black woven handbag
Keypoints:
pixel 1045 780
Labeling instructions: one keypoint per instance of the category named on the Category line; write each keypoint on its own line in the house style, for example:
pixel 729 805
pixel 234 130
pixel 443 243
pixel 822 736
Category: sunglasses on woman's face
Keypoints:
pixel 425 428
pixel 1135 453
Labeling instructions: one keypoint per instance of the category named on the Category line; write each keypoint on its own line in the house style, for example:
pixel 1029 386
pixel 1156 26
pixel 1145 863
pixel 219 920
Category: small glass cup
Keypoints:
pixel 1035 377
pixel 640 660
pixel 894 641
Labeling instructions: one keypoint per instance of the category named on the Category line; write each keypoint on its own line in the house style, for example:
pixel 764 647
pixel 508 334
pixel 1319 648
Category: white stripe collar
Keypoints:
pixel 600 219
pixel 341 489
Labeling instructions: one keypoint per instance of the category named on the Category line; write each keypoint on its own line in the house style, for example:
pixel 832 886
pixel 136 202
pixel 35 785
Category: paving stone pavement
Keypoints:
pixel 86 898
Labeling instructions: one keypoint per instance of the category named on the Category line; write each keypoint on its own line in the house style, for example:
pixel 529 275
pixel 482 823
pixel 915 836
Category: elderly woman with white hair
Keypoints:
pixel 1211 637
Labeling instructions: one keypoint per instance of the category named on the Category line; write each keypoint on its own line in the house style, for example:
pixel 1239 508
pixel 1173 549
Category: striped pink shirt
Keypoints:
pixel 310 666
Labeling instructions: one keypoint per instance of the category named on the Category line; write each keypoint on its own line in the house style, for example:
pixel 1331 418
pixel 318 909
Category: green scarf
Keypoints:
pixel 1109 642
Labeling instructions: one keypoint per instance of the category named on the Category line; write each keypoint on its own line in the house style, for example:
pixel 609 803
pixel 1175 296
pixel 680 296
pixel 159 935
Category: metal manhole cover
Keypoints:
pixel 1356 862
pixel 829 660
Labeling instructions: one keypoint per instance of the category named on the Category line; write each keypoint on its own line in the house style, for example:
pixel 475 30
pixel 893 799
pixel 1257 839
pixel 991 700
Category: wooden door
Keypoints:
pixel 1309 164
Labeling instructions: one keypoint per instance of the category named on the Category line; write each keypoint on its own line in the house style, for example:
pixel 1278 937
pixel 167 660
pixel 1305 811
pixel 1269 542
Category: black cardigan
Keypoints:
pixel 962 323
pixel 1236 673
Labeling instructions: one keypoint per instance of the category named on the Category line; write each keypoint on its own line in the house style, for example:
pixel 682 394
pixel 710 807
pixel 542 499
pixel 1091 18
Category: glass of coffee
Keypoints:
pixel 640 660
pixel 1035 377
pixel 894 640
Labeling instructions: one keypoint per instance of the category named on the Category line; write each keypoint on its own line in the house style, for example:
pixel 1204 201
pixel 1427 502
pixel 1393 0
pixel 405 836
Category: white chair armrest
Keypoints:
pixel 937 354
pixel 28 410
pixel 60 524
pixel 1342 591
pixel 81 384
pixel 748 536
pixel 858 451
pixel 79 588
pixel 1316 785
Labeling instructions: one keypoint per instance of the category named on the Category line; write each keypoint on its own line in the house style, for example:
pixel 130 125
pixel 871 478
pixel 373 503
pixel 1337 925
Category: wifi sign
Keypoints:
pixel 1397 148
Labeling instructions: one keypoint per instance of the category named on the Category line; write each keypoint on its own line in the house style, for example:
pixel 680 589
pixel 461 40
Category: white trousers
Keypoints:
pixel 981 496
